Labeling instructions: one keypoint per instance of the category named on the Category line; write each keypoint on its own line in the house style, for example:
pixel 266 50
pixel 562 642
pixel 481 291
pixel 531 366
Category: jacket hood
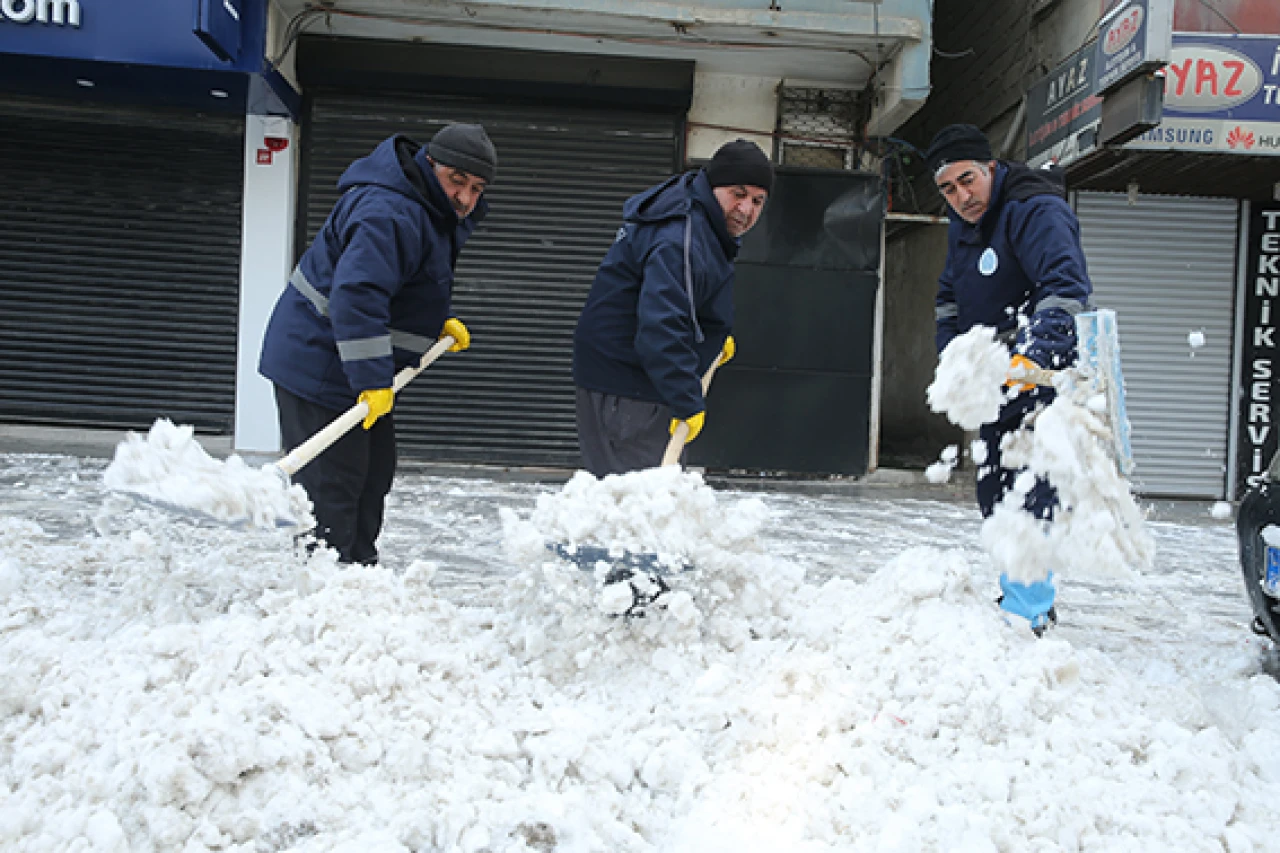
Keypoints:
pixel 1021 182
pixel 670 199
pixel 674 199
pixel 399 164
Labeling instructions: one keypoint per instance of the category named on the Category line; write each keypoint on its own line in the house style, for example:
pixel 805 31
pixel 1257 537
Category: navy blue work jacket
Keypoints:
pixel 661 305
pixel 373 290
pixel 1021 259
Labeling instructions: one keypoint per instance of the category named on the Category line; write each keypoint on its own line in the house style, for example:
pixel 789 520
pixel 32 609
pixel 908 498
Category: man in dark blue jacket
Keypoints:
pixel 661 309
pixel 372 294
pixel 1015 264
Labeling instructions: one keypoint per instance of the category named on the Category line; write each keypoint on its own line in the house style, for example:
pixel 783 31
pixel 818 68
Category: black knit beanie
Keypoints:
pixel 740 162
pixel 957 142
pixel 466 147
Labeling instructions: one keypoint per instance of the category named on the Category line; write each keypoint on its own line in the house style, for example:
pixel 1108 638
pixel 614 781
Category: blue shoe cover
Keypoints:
pixel 1031 601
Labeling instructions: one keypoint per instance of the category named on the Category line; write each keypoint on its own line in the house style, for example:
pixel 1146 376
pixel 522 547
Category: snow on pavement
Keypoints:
pixel 836 678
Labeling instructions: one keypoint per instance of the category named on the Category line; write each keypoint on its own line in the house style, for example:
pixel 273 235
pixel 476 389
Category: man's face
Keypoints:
pixel 966 186
pixel 742 205
pixel 463 188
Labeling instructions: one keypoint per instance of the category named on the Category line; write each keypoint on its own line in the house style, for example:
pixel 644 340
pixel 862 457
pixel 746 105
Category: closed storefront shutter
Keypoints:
pixel 119 264
pixel 523 277
pixel 1167 266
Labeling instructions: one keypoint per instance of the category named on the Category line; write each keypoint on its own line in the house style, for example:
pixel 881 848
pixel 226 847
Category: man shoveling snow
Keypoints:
pixel 1014 266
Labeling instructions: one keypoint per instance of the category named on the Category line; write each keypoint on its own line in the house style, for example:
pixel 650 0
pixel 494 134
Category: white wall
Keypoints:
pixel 266 259
pixel 726 107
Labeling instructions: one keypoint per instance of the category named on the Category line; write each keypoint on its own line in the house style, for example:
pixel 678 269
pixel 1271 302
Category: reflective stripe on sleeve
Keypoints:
pixel 1071 306
pixel 365 348
pixel 413 343
pixel 945 311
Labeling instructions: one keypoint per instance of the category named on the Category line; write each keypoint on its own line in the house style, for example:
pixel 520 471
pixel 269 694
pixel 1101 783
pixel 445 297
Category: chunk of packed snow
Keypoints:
pixel 968 385
pixel 170 467
pixel 938 472
pixel 1221 509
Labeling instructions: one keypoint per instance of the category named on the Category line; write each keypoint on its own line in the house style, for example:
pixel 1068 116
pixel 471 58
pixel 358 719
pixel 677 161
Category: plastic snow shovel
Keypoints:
pixel 1099 364
pixel 625 563
pixel 263 493
pixel 295 459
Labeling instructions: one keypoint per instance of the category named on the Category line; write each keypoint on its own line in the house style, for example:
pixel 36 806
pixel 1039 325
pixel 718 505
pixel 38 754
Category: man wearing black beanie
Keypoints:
pixel 661 310
pixel 370 295
pixel 1014 264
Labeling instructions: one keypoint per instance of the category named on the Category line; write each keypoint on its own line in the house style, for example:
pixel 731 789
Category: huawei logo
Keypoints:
pixel 1240 138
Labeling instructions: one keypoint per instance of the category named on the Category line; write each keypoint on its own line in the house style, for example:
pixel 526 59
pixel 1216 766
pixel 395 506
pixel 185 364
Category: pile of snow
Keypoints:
pixel 168 466
pixel 182 692
pixel 666 512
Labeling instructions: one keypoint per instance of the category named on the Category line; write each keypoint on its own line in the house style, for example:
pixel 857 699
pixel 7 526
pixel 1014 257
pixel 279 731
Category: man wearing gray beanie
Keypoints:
pixel 660 310
pixel 370 295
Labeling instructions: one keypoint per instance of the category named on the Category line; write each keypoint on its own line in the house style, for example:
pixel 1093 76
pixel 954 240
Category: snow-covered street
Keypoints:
pixel 834 675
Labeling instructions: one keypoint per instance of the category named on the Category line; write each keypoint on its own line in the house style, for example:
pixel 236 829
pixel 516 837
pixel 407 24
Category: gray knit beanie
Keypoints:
pixel 466 147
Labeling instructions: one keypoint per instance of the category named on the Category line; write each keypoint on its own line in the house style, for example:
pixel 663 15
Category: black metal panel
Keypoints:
pixel 785 320
pixel 797 397
pixel 785 421
pixel 119 264
pixel 522 279
pixel 819 219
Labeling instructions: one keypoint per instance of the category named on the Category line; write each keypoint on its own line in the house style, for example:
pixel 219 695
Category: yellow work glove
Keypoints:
pixel 727 352
pixel 379 401
pixel 461 337
pixel 1020 366
pixel 695 426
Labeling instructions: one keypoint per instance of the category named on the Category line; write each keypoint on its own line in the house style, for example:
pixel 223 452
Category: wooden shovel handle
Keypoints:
pixel 344 423
pixel 676 445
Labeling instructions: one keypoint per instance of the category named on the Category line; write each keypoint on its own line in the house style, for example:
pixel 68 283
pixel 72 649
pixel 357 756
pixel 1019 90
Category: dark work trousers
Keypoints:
pixel 349 482
pixel 994 480
pixel 619 434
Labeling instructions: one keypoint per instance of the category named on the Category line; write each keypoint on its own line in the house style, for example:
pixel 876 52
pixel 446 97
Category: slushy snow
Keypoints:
pixel 173 687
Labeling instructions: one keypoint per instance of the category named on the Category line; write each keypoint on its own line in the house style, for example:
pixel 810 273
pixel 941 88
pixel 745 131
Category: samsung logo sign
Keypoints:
pixel 59 13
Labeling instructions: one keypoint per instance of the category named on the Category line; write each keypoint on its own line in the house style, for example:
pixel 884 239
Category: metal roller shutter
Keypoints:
pixel 522 278
pixel 1167 265
pixel 119 264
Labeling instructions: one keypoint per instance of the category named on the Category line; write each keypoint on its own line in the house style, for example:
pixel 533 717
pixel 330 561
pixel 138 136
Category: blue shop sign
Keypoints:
pixel 139 32
pixel 1221 94
pixel 1224 76
pixel 207 54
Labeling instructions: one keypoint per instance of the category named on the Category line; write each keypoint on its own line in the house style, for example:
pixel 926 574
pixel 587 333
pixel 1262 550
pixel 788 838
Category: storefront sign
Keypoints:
pixel 138 33
pixel 1062 105
pixel 1260 356
pixel 1222 94
pixel 1133 39
pixel 58 13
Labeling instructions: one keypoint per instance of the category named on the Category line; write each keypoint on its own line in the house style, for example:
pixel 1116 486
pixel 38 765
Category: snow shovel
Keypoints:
pixel 261 497
pixel 1099 364
pixel 626 563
